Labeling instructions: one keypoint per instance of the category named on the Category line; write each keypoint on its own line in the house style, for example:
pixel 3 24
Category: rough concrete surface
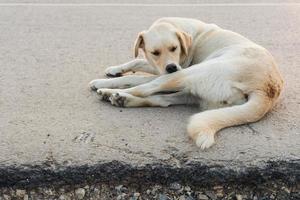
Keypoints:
pixel 54 129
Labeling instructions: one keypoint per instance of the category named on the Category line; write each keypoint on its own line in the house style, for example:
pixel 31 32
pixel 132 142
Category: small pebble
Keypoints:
pixel 119 187
pixel 32 193
pixel 239 197
pixel 96 191
pixel 187 188
pixel 220 194
pixel 6 197
pixel 203 197
pixel 48 192
pixel 180 191
pixel 189 198
pixel 62 197
pixel 182 197
pixel 119 197
pixel 286 190
pixel 155 189
pixel 162 197
pixel 62 190
pixel 175 186
pixel 219 191
pixel 80 193
pixel 218 187
pixel 20 193
pixel 211 195
pixel 136 194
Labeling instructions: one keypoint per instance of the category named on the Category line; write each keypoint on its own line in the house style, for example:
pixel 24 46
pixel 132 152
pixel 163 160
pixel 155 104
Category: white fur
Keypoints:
pixel 205 140
pixel 134 65
pixel 236 80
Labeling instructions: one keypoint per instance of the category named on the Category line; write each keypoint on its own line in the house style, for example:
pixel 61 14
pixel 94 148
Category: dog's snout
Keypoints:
pixel 170 68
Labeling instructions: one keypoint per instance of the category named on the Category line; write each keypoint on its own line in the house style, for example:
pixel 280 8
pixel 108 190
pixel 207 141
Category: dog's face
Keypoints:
pixel 164 46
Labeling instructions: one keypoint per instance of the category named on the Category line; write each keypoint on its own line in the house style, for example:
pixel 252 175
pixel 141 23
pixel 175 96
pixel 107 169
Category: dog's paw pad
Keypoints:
pixel 103 95
pixel 205 140
pixel 113 71
pixel 113 75
pixel 99 91
pixel 117 100
pixel 92 85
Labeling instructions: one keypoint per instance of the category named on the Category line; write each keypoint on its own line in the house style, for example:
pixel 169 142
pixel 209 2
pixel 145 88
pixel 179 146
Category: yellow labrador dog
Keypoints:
pixel 235 80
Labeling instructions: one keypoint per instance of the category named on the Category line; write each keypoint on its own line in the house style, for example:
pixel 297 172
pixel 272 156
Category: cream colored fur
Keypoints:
pixel 233 79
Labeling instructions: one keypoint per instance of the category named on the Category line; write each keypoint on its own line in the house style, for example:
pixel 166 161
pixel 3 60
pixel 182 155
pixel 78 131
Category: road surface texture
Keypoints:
pixel 54 130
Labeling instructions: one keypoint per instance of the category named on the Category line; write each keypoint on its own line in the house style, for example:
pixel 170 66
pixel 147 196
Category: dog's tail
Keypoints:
pixel 203 126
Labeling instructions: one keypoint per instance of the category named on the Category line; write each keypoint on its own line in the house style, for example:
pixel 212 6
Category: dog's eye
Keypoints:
pixel 173 49
pixel 156 53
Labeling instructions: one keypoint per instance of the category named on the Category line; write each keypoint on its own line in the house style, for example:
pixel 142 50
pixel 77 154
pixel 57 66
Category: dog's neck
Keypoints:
pixel 199 37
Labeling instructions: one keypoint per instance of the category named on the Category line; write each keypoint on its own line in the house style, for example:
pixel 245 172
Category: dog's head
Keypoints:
pixel 164 47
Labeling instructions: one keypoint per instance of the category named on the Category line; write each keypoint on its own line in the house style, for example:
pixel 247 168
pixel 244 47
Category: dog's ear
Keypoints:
pixel 139 43
pixel 185 41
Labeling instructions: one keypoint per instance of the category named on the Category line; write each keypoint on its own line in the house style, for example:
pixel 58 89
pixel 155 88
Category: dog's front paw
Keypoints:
pixel 94 84
pixel 114 71
pixel 105 94
pixel 118 99
pixel 100 83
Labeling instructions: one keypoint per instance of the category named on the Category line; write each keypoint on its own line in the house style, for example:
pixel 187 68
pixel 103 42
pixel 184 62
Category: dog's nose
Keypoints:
pixel 170 68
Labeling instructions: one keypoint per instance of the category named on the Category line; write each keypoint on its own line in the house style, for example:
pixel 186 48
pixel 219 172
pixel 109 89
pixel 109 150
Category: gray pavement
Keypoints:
pixel 50 120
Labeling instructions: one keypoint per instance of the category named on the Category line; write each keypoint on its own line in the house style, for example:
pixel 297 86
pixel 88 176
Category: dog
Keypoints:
pixel 234 80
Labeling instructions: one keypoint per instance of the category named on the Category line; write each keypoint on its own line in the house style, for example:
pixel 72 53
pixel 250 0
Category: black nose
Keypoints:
pixel 170 68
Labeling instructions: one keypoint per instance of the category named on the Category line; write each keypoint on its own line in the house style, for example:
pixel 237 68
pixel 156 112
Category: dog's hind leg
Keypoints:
pixel 134 66
pixel 121 82
pixel 160 100
pixel 203 126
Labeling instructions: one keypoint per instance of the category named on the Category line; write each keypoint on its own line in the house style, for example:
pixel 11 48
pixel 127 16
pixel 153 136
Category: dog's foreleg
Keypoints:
pixel 169 82
pixel 121 82
pixel 134 65
pixel 164 100
pixel 165 83
pixel 203 126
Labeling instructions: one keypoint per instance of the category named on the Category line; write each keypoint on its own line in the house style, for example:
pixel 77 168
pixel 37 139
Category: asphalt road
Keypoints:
pixel 49 117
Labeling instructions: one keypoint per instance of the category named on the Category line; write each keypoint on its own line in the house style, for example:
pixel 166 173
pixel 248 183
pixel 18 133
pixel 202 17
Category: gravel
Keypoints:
pixel 174 191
